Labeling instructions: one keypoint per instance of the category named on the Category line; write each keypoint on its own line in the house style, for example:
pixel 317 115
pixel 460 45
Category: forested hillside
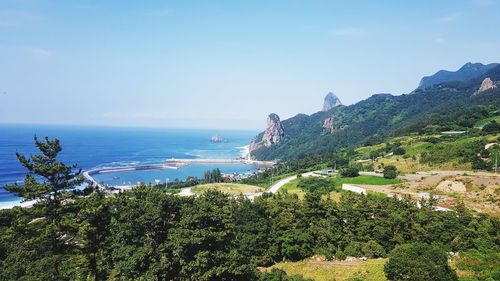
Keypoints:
pixel 149 235
pixel 449 105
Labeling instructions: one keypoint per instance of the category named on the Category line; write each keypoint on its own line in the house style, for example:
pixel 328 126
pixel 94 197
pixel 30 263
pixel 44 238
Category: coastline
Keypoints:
pixel 172 163
pixel 144 146
pixel 218 160
pixel 19 203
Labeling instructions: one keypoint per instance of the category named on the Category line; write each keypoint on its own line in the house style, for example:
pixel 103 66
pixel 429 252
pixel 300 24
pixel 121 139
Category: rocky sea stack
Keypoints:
pixel 217 138
pixel 273 134
pixel 331 101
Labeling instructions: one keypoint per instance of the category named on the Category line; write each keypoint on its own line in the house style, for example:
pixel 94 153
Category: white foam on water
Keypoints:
pixel 12 204
pixel 244 150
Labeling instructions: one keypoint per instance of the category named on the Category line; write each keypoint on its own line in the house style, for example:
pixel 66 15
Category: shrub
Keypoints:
pixel 399 151
pixel 340 255
pixel 492 127
pixel 316 184
pixel 390 172
pixel 295 245
pixel 349 172
pixel 353 250
pixel 372 249
pixel 279 275
pixel 415 262
pixel 485 153
pixel 480 164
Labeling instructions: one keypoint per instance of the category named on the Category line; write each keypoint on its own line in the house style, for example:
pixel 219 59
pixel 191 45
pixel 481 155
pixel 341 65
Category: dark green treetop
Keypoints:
pixel 54 177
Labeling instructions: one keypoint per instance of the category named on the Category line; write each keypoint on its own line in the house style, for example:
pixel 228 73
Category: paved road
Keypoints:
pixel 279 184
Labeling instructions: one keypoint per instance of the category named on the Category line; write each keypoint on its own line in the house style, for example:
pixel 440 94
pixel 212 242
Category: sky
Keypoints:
pixel 224 64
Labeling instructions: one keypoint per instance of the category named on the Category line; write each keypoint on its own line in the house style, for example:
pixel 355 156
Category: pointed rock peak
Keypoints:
pixel 331 101
pixel 486 85
pixel 274 132
pixel 273 117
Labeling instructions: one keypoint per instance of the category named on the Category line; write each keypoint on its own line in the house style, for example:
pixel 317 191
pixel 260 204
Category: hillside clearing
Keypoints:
pixel 227 188
pixel 370 270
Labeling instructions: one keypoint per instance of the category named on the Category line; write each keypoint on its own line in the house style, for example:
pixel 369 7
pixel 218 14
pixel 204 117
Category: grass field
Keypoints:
pixel 292 188
pixel 370 270
pixel 448 149
pixel 338 181
pixel 228 188
pixel 369 180
pixel 487 120
pixel 172 190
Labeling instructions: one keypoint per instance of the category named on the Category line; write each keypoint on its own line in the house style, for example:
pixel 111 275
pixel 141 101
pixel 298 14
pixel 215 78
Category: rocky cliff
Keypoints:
pixel 332 124
pixel 328 124
pixel 273 134
pixel 331 101
pixel 378 117
pixel 487 84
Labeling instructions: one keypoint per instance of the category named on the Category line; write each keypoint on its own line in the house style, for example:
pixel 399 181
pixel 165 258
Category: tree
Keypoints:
pixel 492 127
pixel 56 177
pixel 372 249
pixel 349 172
pixel 48 183
pixel 418 261
pixel 353 249
pixel 399 150
pixel 390 172
pixel 203 241
pixel 93 221
pixel 213 176
pixel 279 275
pixel 480 164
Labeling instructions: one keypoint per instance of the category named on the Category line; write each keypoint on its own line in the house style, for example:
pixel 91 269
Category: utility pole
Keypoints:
pixel 271 179
pixel 496 162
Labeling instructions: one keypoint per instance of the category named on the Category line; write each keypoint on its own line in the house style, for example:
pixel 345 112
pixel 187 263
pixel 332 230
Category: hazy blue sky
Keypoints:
pixel 224 64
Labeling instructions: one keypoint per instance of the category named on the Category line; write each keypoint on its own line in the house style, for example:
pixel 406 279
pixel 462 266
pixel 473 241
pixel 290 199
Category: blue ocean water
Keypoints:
pixel 92 147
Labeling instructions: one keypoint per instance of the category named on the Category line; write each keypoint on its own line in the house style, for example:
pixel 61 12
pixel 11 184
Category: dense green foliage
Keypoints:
pixel 484 265
pixel 279 275
pixel 213 176
pixel 349 172
pixel 49 182
pixel 390 172
pixel 492 127
pixel 147 234
pixel 419 261
pixel 316 184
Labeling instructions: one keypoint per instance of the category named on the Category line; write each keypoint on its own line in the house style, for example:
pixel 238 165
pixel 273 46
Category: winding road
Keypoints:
pixel 279 184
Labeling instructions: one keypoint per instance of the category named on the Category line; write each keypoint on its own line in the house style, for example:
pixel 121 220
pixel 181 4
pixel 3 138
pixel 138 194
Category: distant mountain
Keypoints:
pixel 331 101
pixel 467 72
pixel 383 115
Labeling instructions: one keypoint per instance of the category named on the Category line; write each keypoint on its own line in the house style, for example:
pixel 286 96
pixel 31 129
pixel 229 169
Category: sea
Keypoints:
pixel 97 147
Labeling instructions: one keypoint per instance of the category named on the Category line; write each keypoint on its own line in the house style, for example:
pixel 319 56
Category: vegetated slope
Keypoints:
pixel 467 72
pixel 380 116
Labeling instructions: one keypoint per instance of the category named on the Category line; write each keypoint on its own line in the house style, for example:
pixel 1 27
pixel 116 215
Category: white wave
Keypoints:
pixel 18 203
pixel 244 150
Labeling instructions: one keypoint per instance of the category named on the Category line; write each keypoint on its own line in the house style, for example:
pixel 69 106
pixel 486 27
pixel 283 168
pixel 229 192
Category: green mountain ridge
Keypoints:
pixel 381 116
pixel 466 72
